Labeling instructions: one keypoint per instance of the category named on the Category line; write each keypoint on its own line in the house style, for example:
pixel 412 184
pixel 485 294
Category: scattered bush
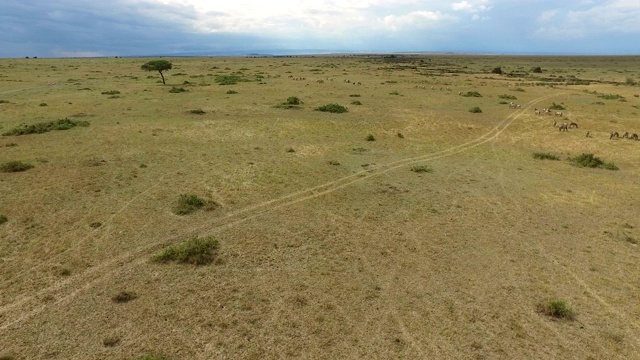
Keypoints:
pixel 4 102
pixel 394 93
pixel 7 357
pixel 472 94
pixel 589 160
pixel 3 219
pixel 356 102
pixel 111 341
pixel 333 108
pixel 507 97
pixel 40 128
pixel 123 297
pixel 421 169
pixel 557 309
pixel 228 79
pixel 545 156
pixel 537 70
pixel 152 357
pixel 557 107
pixel 400 135
pixel 197 111
pixel 14 166
pixel 111 92
pixel 354 95
pixel 291 150
pixel 231 92
pixel 95 224
pixel 175 90
pixel 475 110
pixel 333 162
pixel 611 96
pixel 519 89
pixel 188 203
pixel 293 100
pixel 497 70
pixel 197 251
pixel 370 138
pixel 43 104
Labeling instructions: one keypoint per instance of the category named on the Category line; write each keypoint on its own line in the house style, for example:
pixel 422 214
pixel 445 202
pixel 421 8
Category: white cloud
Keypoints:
pixel 473 6
pixel 417 19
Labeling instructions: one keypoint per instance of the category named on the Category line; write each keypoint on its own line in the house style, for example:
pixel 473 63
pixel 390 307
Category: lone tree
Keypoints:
pixel 497 70
pixel 157 65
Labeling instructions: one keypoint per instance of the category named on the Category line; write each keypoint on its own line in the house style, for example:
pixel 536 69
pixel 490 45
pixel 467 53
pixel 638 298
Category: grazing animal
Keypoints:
pixel 614 134
pixel 564 127
pixel 634 137
pixel 588 135
pixel 626 135
pixel 559 113
pixel 554 123
pixel 573 125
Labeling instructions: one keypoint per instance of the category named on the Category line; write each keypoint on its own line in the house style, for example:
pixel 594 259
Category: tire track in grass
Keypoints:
pixel 71 287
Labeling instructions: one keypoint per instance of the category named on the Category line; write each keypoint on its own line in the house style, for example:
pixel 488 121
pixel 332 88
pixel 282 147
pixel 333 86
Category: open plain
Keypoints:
pixel 406 227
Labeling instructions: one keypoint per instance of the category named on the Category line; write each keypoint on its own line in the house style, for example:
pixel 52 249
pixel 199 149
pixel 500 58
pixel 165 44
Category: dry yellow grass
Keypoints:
pixel 335 250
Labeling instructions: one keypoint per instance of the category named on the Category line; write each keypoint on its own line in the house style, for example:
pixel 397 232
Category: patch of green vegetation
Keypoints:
pixel 354 95
pixel 188 203
pixel 421 169
pixel 333 162
pixel 7 357
pixel 557 107
pixel 195 250
pixel 497 70
pixel 507 97
pixel 11 145
pixel 394 93
pixel 356 102
pixel 110 92
pixel 228 79
pixel 545 156
pixel 589 160
pixel 176 90
pixel 557 309
pixel 519 89
pixel 475 110
pixel 370 137
pixel 40 128
pixel 197 112
pixel 472 94
pixel 14 166
pixel 231 92
pixel 332 108
pixel 537 70
pixel 290 150
pixel 3 219
pixel 4 102
pixel 611 96
pixel 293 100
pixel 152 357
pixel 43 104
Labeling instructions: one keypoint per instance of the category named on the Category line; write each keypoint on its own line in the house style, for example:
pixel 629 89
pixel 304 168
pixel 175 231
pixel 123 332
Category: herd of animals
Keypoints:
pixel 566 126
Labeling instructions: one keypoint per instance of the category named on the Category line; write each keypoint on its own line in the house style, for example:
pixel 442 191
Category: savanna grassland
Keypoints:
pixel 406 227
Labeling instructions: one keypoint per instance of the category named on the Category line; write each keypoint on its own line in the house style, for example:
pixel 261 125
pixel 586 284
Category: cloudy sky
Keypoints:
pixel 68 28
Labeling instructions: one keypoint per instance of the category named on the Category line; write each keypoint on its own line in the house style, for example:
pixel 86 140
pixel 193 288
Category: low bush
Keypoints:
pixel 4 102
pixel 175 90
pixel 557 309
pixel 195 250
pixel 44 104
pixel 228 79
pixel 293 100
pixel 354 95
pixel 545 156
pixel 557 107
pixel 472 94
pixel 589 160
pixel 123 297
pixel 152 357
pixel 475 110
pixel 394 93
pixel 188 203
pixel 611 96
pixel 231 92
pixel 497 70
pixel 40 128
pixel 370 137
pixel 3 219
pixel 507 97
pixel 14 166
pixel 421 169
pixel 111 92
pixel 290 150
pixel 197 111
pixel 356 102
pixel 332 108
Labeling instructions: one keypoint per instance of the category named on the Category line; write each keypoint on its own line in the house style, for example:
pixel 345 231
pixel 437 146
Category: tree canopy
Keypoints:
pixel 157 65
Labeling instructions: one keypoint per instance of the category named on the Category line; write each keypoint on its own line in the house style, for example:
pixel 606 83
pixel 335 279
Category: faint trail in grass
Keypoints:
pixel 96 273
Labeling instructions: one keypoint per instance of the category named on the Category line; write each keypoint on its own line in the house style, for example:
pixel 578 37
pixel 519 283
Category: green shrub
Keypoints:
pixel 188 203
pixel 545 156
pixel 293 100
pixel 519 89
pixel 111 92
pixel 589 160
pixel 4 102
pixel 507 97
pixel 40 128
pixel 231 92
pixel 475 110
pixel 14 166
pixel 472 94
pixel 394 93
pixel 421 169
pixel 175 90
pixel 198 251
pixel 557 309
pixel 333 162
pixel 370 137
pixel 197 111
pixel 557 107
pixel 3 219
pixel 497 70
pixel 43 104
pixel 537 70
pixel 228 79
pixel 290 150
pixel 354 95
pixel 333 108
pixel 611 96
pixel 356 102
